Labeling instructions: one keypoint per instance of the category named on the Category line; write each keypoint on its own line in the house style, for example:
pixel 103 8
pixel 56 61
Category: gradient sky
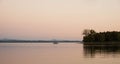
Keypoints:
pixel 57 19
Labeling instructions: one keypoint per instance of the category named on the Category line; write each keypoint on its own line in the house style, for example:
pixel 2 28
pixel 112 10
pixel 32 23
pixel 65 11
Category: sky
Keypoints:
pixel 57 19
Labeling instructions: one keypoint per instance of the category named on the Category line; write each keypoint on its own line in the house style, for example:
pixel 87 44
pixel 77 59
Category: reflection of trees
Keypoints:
pixel 92 51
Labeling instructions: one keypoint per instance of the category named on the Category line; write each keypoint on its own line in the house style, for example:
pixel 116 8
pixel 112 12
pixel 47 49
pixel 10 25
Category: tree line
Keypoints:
pixel 109 36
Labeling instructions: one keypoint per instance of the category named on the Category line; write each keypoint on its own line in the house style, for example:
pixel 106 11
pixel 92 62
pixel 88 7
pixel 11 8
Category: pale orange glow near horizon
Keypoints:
pixel 57 19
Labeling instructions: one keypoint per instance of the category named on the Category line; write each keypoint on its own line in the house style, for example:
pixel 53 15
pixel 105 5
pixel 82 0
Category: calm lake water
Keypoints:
pixel 62 53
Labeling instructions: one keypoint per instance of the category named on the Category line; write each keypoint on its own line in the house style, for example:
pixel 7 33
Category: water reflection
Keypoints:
pixel 101 51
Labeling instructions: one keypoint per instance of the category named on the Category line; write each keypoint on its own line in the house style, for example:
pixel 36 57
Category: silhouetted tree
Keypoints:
pixel 86 32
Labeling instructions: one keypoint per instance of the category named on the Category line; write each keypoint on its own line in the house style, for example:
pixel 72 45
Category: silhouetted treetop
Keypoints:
pixel 87 32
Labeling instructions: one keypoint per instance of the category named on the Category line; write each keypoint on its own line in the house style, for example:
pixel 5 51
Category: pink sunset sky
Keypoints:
pixel 57 19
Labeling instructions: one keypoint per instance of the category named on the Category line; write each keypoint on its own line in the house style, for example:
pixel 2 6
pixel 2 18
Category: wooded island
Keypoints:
pixel 109 36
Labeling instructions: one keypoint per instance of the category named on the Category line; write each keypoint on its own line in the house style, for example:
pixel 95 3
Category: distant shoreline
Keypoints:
pixel 37 41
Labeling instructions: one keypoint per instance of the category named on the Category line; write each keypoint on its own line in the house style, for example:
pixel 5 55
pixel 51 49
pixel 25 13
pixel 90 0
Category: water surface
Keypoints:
pixel 62 53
